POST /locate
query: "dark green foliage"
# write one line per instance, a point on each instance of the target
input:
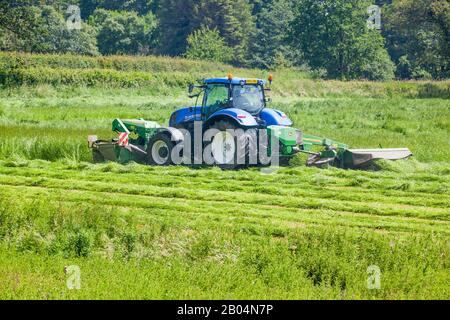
(271, 48)
(142, 7)
(122, 32)
(418, 37)
(57, 38)
(51, 35)
(19, 21)
(79, 244)
(330, 38)
(232, 18)
(175, 25)
(334, 35)
(207, 44)
(234, 21)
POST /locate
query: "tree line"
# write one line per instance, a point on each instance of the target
(336, 39)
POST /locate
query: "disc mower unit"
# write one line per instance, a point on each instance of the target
(229, 105)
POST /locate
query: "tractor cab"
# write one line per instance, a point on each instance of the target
(240, 100)
(243, 94)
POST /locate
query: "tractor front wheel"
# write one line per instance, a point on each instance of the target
(159, 150)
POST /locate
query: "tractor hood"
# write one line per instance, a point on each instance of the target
(185, 115)
(274, 117)
(242, 117)
(270, 117)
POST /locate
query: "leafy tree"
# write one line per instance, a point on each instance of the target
(207, 44)
(141, 7)
(373, 62)
(271, 48)
(418, 37)
(19, 22)
(233, 19)
(333, 34)
(258, 5)
(57, 38)
(175, 25)
(123, 32)
(54, 36)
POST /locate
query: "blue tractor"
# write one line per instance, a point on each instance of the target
(228, 105)
(240, 102)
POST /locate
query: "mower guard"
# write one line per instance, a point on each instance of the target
(360, 158)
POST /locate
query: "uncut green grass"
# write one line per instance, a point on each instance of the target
(161, 75)
(48, 124)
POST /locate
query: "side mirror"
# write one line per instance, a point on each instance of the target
(191, 88)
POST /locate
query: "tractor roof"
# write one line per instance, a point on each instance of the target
(233, 81)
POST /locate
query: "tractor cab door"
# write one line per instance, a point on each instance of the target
(216, 98)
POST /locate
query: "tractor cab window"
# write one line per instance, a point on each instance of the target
(248, 97)
(216, 98)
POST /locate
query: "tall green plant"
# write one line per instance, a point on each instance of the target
(207, 44)
(418, 37)
(232, 18)
(123, 32)
(52, 35)
(333, 34)
(271, 48)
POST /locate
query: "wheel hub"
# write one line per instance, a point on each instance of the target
(160, 152)
(223, 147)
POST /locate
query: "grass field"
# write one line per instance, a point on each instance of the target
(158, 233)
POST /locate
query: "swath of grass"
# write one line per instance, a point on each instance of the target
(319, 262)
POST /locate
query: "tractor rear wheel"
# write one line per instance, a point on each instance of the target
(159, 150)
(232, 151)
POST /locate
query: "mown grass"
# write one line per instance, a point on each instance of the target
(183, 233)
(281, 236)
